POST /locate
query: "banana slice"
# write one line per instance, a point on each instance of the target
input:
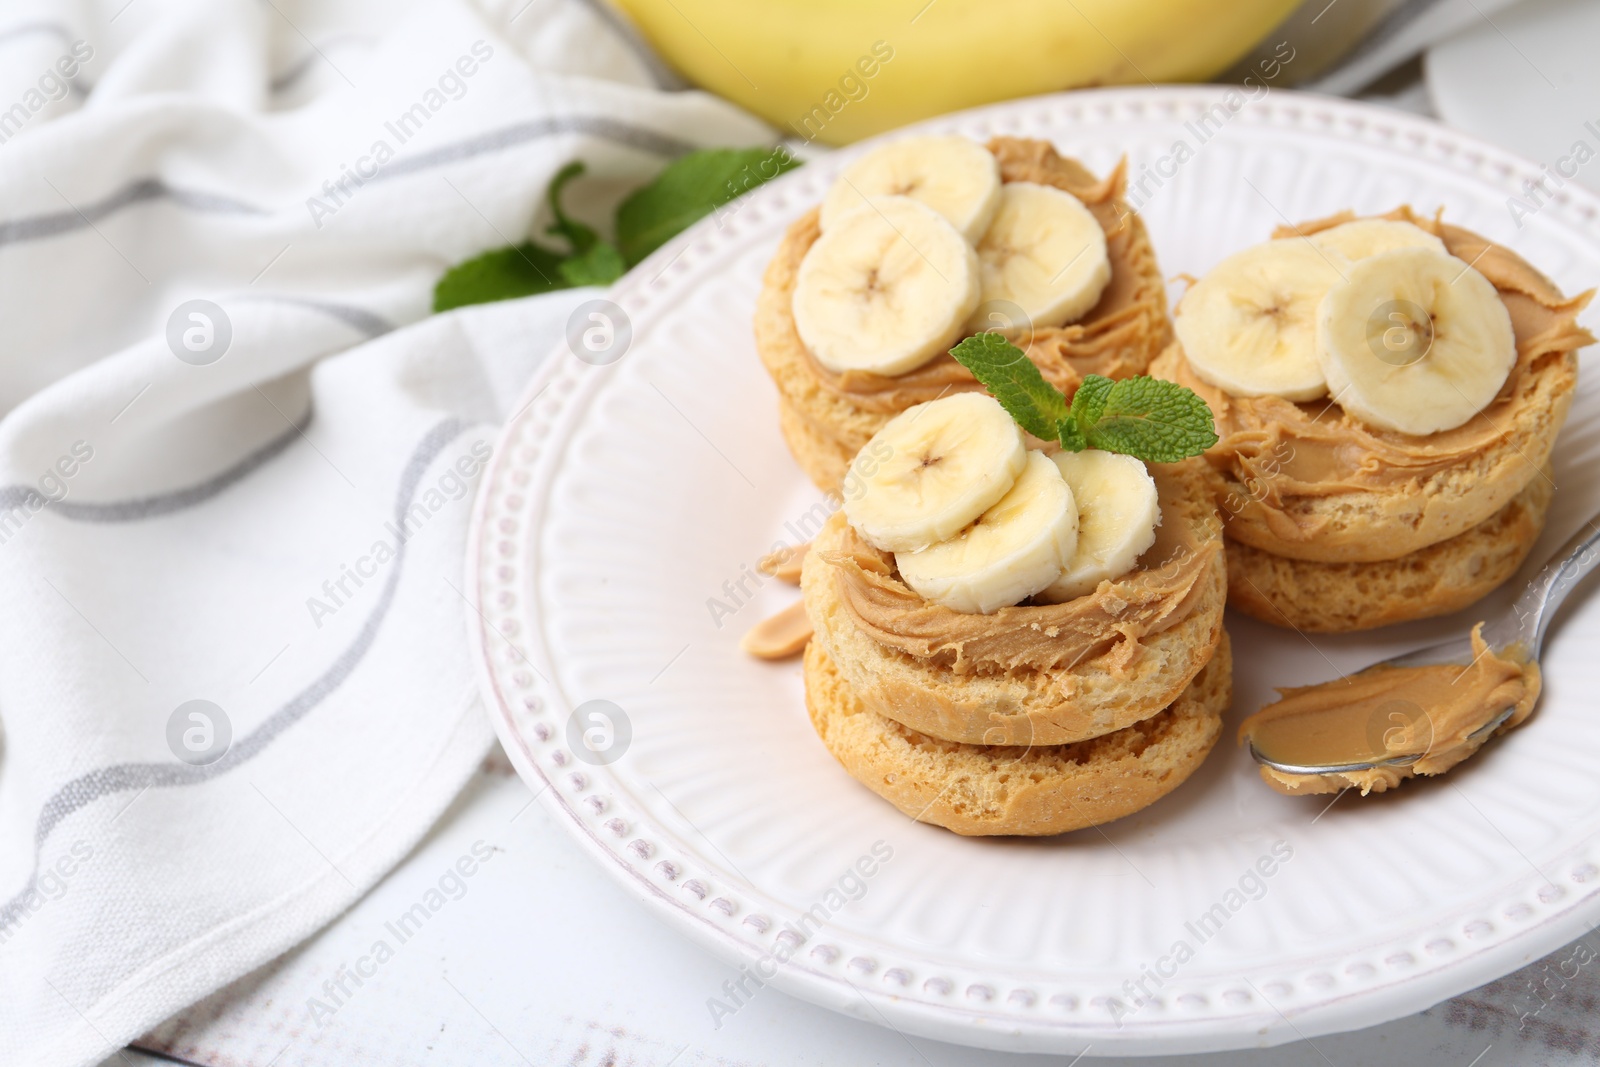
(932, 470)
(1415, 341)
(886, 290)
(1249, 326)
(1118, 512)
(1044, 252)
(1011, 552)
(956, 177)
(1370, 237)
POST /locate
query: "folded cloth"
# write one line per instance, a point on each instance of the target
(234, 483)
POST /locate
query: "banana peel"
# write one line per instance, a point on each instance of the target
(836, 71)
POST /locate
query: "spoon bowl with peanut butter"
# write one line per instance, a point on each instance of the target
(1425, 711)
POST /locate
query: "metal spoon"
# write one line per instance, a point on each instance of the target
(1522, 626)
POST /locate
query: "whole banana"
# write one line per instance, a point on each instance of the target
(839, 70)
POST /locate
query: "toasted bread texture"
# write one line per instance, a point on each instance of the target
(827, 417)
(1436, 580)
(981, 790)
(1130, 675)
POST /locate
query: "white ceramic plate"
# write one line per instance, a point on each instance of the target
(623, 498)
(1539, 98)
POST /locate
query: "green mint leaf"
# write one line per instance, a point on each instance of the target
(580, 237)
(689, 189)
(600, 265)
(1011, 378)
(1157, 421)
(1090, 400)
(529, 268)
(1070, 434)
(1153, 420)
(500, 274)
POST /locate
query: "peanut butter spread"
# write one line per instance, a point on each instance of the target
(1160, 593)
(1285, 450)
(1111, 339)
(1384, 712)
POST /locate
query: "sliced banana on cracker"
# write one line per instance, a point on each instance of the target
(1118, 511)
(1370, 237)
(938, 466)
(1249, 326)
(886, 290)
(1415, 341)
(954, 176)
(1044, 252)
(1010, 552)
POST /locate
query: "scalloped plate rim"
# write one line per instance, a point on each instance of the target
(1255, 1027)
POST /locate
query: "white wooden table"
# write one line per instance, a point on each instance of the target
(544, 960)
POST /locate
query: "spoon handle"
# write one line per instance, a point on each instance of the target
(1533, 610)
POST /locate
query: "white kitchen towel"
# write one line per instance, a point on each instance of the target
(234, 482)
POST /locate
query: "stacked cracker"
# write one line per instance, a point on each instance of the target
(1037, 718)
(1387, 392)
(1107, 316)
(1008, 638)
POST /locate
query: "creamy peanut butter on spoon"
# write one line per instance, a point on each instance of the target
(1421, 713)
(1371, 729)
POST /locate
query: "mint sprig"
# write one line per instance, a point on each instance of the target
(685, 191)
(689, 189)
(1012, 379)
(1158, 421)
(580, 237)
(529, 268)
(592, 261)
(1151, 419)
